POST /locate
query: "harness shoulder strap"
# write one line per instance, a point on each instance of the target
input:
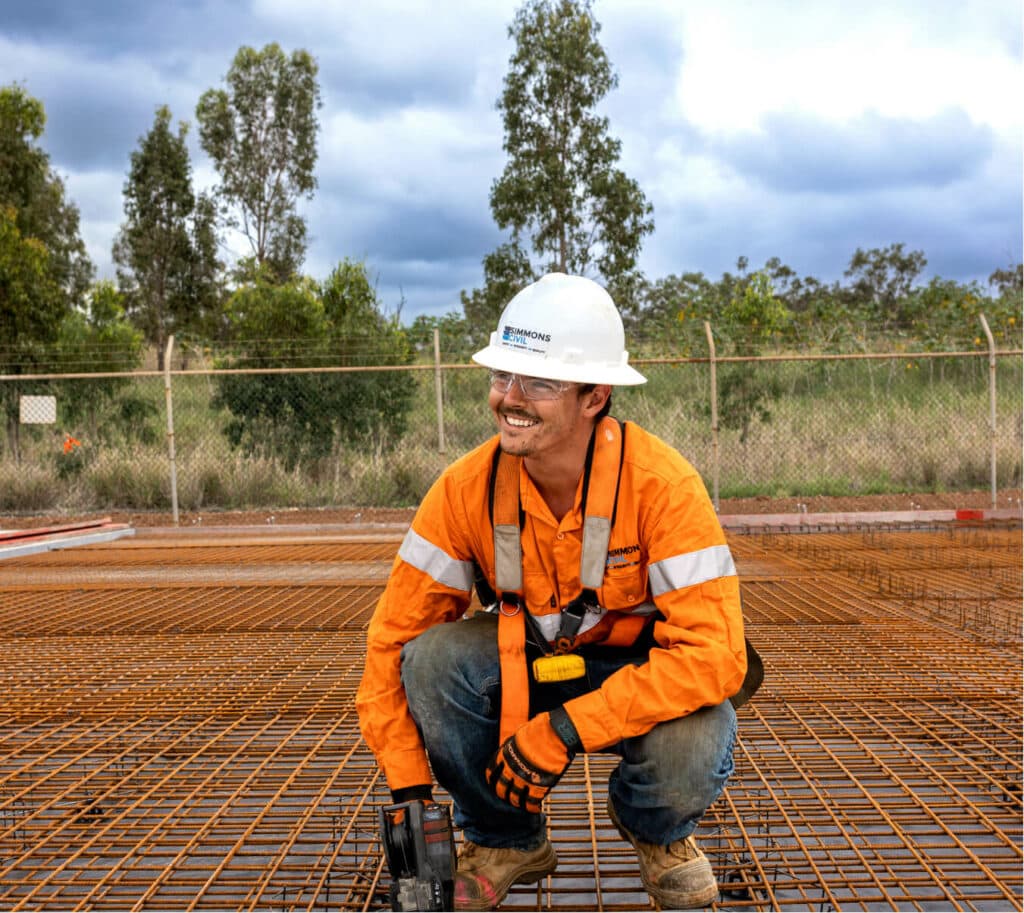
(505, 514)
(507, 522)
(600, 499)
(604, 463)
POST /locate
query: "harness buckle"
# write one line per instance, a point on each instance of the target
(572, 620)
(513, 601)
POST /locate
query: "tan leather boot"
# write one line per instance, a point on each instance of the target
(485, 874)
(677, 876)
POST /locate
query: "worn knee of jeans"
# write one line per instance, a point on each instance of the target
(451, 667)
(671, 775)
(452, 679)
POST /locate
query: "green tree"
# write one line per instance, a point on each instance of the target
(261, 135)
(561, 185)
(372, 407)
(753, 317)
(673, 310)
(31, 308)
(108, 410)
(1005, 308)
(304, 417)
(882, 280)
(166, 243)
(44, 269)
(755, 313)
(32, 305)
(36, 193)
(1008, 285)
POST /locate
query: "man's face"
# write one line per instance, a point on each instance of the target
(533, 427)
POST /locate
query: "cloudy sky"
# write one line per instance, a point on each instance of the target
(792, 129)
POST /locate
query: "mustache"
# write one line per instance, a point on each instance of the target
(517, 413)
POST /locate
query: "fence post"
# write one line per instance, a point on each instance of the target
(437, 391)
(991, 400)
(170, 428)
(714, 415)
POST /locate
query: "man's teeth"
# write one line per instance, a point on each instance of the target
(520, 422)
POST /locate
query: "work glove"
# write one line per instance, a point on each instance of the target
(533, 759)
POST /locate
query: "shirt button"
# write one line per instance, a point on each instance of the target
(560, 536)
(631, 597)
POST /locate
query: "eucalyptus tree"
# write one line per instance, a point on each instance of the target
(166, 249)
(561, 187)
(882, 280)
(38, 212)
(260, 132)
(44, 268)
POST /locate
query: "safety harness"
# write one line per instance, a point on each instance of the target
(602, 473)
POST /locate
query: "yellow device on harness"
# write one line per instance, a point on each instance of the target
(559, 667)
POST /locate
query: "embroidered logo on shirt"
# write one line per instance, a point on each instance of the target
(627, 556)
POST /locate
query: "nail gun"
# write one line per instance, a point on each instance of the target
(420, 852)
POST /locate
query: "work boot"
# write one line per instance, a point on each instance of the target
(677, 876)
(486, 873)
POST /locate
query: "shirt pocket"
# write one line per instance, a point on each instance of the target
(623, 588)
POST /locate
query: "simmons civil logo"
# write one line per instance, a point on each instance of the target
(628, 556)
(520, 338)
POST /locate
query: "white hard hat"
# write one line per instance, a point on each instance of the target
(562, 328)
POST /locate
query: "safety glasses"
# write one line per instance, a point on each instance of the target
(533, 388)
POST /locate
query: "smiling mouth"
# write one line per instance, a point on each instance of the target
(519, 421)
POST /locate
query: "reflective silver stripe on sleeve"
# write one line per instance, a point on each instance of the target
(690, 569)
(423, 555)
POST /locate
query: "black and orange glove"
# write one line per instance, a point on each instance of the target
(532, 761)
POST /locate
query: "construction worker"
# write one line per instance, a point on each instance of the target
(613, 625)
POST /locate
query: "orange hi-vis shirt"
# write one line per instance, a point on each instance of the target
(667, 555)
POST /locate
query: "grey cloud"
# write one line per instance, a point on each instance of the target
(88, 133)
(97, 108)
(424, 252)
(421, 233)
(108, 26)
(966, 232)
(352, 80)
(403, 232)
(797, 153)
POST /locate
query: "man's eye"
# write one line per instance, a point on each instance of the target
(542, 387)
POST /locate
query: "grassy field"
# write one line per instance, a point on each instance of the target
(829, 428)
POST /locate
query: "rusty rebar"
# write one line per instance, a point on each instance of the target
(177, 729)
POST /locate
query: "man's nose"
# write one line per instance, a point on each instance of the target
(515, 391)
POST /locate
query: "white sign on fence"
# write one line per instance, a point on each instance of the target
(38, 410)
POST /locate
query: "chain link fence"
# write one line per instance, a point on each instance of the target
(784, 426)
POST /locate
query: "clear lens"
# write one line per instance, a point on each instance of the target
(539, 388)
(534, 388)
(501, 381)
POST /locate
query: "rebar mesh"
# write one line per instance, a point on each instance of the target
(177, 730)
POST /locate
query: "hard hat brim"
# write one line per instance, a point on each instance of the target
(499, 358)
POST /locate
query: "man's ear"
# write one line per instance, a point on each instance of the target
(594, 401)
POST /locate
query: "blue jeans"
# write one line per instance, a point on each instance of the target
(664, 783)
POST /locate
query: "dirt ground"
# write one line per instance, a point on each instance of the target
(762, 504)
